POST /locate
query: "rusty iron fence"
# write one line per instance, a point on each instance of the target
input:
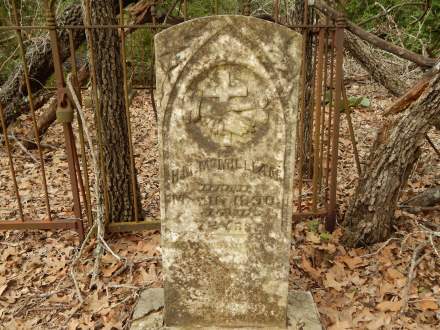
(317, 188)
(321, 101)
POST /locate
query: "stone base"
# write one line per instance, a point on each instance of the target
(302, 313)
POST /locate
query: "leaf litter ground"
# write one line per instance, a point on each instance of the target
(364, 288)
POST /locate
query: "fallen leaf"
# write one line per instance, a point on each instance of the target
(428, 304)
(394, 274)
(308, 268)
(313, 238)
(389, 306)
(330, 282)
(352, 262)
(341, 325)
(3, 288)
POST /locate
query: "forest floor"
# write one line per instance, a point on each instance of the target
(364, 288)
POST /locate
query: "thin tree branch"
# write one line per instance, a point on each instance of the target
(375, 40)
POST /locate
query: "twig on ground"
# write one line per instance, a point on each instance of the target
(22, 147)
(415, 261)
(44, 145)
(415, 209)
(432, 144)
(381, 247)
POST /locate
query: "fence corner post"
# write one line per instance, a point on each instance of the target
(341, 23)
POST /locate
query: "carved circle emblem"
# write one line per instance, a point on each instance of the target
(227, 108)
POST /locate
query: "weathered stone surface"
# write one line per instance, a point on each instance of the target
(302, 313)
(150, 300)
(227, 94)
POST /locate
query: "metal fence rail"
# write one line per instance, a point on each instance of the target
(316, 195)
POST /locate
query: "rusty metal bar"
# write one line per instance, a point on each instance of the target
(75, 224)
(152, 84)
(32, 108)
(147, 224)
(317, 126)
(65, 106)
(300, 145)
(127, 113)
(159, 26)
(79, 177)
(311, 106)
(87, 26)
(324, 88)
(351, 129)
(339, 47)
(185, 10)
(276, 10)
(86, 191)
(11, 163)
(330, 112)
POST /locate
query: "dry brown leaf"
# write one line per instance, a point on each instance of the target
(394, 274)
(108, 259)
(428, 304)
(313, 238)
(330, 282)
(308, 268)
(94, 304)
(73, 324)
(341, 325)
(108, 271)
(3, 288)
(59, 299)
(380, 321)
(389, 306)
(353, 262)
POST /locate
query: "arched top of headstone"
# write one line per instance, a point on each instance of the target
(232, 20)
(194, 47)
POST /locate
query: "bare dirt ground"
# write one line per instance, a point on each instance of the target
(365, 288)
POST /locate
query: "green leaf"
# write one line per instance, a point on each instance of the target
(365, 102)
(354, 101)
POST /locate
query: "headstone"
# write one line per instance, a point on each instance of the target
(227, 93)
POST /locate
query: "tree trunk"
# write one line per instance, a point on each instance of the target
(307, 148)
(374, 64)
(113, 120)
(369, 218)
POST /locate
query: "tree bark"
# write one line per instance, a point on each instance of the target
(374, 64)
(369, 218)
(307, 147)
(112, 116)
(411, 95)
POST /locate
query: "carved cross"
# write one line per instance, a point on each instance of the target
(225, 91)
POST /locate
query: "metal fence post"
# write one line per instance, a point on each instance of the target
(339, 49)
(64, 113)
